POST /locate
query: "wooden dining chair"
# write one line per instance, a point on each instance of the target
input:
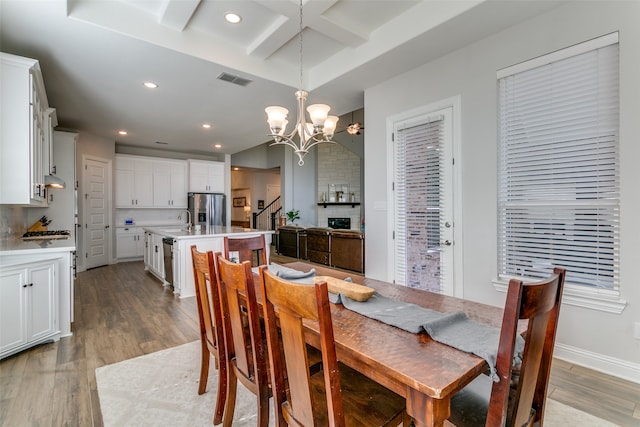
(518, 399)
(253, 249)
(244, 339)
(211, 329)
(336, 396)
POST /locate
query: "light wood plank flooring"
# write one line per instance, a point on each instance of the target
(122, 312)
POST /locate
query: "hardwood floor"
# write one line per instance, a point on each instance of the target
(123, 312)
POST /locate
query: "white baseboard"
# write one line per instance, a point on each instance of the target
(617, 367)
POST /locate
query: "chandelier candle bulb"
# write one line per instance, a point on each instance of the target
(318, 114)
(277, 118)
(330, 126)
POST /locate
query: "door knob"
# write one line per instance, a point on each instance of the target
(446, 243)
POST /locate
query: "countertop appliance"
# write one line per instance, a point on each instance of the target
(207, 209)
(339, 223)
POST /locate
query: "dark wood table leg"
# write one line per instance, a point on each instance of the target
(425, 410)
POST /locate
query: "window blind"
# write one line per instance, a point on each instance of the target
(419, 196)
(558, 177)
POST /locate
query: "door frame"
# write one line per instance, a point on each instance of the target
(82, 221)
(456, 288)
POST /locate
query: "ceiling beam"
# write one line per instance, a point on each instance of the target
(176, 14)
(286, 26)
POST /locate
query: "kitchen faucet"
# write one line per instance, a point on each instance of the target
(188, 218)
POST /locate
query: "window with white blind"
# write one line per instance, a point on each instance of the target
(558, 178)
(422, 195)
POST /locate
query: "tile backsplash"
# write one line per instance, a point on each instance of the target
(337, 165)
(13, 221)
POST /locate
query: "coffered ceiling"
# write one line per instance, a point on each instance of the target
(96, 54)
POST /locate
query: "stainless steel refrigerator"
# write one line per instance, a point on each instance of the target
(207, 209)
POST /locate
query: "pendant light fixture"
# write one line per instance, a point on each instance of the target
(303, 135)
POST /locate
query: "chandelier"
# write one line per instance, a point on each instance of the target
(303, 135)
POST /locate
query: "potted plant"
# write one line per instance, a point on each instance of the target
(293, 215)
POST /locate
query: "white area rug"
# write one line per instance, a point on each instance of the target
(161, 389)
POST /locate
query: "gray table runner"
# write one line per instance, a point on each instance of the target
(453, 329)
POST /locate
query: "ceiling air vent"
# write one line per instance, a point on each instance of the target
(237, 80)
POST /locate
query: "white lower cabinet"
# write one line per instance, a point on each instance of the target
(154, 255)
(129, 242)
(28, 305)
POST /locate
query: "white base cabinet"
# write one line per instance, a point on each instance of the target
(130, 242)
(154, 255)
(183, 281)
(36, 294)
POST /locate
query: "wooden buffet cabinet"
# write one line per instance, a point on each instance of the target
(336, 248)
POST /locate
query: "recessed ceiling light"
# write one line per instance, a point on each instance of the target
(150, 85)
(206, 125)
(236, 169)
(217, 145)
(122, 132)
(232, 18)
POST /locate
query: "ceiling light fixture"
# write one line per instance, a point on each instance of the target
(206, 125)
(217, 146)
(354, 128)
(320, 129)
(122, 132)
(150, 85)
(232, 18)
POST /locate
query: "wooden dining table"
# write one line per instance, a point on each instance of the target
(427, 373)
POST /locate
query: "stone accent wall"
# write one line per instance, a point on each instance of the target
(337, 165)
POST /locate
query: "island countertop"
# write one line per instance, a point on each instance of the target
(182, 233)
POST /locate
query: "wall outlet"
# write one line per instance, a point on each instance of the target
(636, 330)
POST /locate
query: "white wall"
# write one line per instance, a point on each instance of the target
(601, 340)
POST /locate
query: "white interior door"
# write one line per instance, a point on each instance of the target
(97, 215)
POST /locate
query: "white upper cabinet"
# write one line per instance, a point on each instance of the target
(25, 130)
(133, 182)
(149, 182)
(170, 183)
(206, 176)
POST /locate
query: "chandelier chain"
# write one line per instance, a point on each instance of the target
(301, 52)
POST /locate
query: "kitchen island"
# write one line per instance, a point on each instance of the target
(208, 239)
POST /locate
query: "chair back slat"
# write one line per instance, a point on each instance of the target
(238, 299)
(211, 325)
(295, 303)
(252, 249)
(207, 297)
(539, 303)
